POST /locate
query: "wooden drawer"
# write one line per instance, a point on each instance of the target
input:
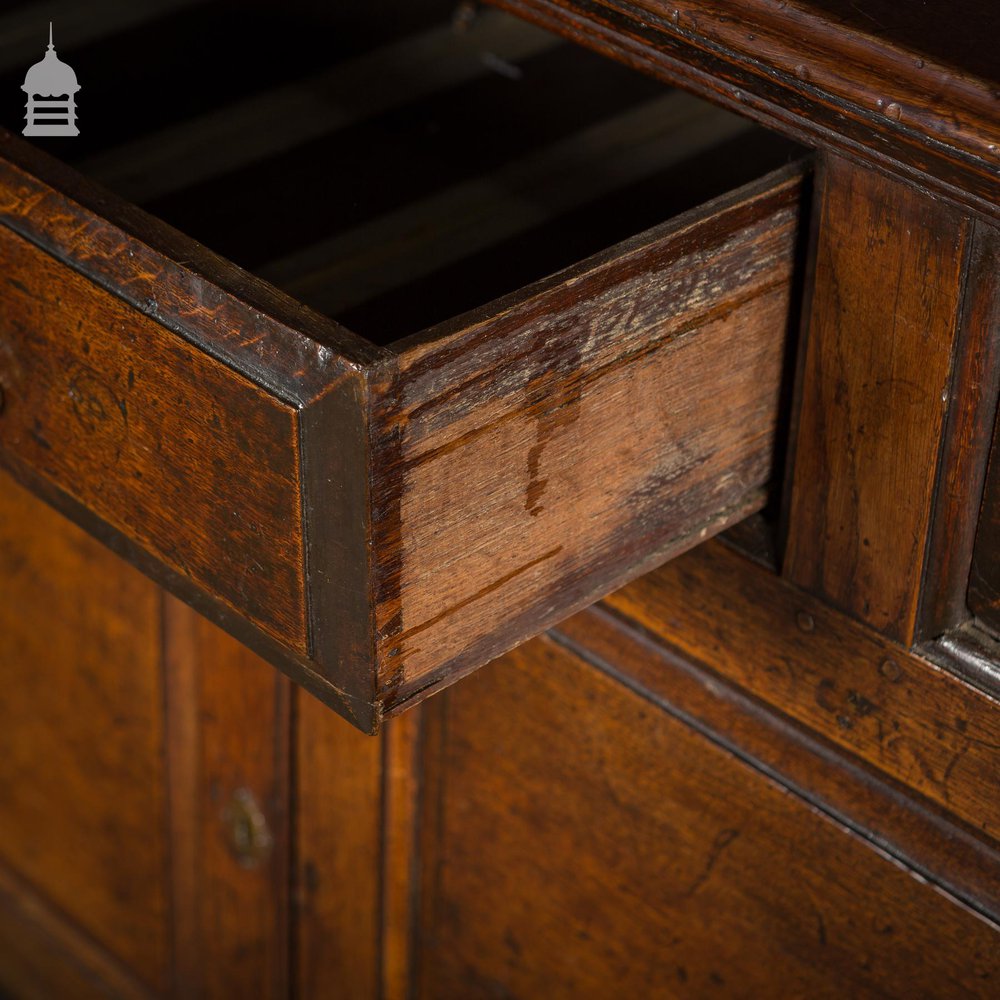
(378, 515)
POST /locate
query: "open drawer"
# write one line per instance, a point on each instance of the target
(379, 514)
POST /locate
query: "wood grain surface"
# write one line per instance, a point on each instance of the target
(535, 456)
(229, 731)
(952, 580)
(984, 582)
(45, 955)
(337, 901)
(144, 779)
(167, 445)
(913, 92)
(883, 810)
(83, 785)
(589, 844)
(866, 694)
(357, 854)
(876, 377)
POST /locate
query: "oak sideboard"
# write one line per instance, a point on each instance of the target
(501, 501)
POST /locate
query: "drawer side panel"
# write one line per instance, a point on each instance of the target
(582, 433)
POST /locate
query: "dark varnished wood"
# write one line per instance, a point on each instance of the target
(880, 809)
(339, 822)
(357, 852)
(43, 954)
(588, 844)
(984, 582)
(403, 781)
(973, 399)
(114, 408)
(905, 88)
(716, 782)
(874, 389)
(866, 694)
(131, 727)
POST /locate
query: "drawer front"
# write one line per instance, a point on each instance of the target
(192, 462)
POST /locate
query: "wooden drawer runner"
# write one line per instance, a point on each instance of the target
(378, 516)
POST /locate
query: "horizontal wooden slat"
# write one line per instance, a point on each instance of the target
(378, 164)
(223, 139)
(435, 231)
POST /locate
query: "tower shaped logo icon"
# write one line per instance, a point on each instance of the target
(51, 88)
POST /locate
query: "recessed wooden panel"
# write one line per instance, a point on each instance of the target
(586, 844)
(82, 780)
(170, 447)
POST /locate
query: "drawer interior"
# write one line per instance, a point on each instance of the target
(395, 164)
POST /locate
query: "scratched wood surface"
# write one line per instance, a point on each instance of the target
(531, 458)
(874, 390)
(759, 726)
(587, 843)
(866, 694)
(171, 448)
(898, 86)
